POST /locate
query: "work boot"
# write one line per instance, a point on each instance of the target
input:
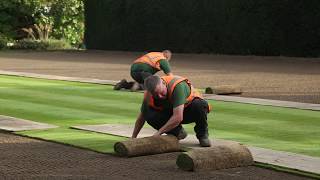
(120, 84)
(182, 134)
(204, 142)
(209, 90)
(135, 87)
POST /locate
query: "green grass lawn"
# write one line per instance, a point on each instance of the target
(69, 103)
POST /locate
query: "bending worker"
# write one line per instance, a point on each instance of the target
(145, 66)
(170, 101)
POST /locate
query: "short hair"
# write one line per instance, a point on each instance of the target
(167, 53)
(151, 82)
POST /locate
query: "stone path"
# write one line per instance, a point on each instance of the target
(279, 158)
(14, 124)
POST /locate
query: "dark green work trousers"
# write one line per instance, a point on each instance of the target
(195, 112)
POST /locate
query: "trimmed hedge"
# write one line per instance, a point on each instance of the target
(248, 27)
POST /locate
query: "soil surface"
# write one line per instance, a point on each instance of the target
(280, 78)
(25, 158)
(292, 79)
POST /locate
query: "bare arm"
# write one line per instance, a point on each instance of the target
(170, 74)
(138, 125)
(174, 120)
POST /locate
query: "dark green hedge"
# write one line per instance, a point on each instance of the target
(259, 27)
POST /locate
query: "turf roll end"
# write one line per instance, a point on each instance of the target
(185, 162)
(224, 90)
(215, 157)
(120, 149)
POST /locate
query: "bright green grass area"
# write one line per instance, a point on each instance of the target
(69, 103)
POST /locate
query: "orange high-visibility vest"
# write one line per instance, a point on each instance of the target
(152, 59)
(171, 82)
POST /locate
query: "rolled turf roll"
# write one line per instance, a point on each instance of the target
(215, 157)
(224, 90)
(147, 146)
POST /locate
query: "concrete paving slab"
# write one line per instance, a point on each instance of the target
(269, 102)
(279, 158)
(116, 129)
(14, 124)
(286, 159)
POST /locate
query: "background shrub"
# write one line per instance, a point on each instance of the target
(54, 44)
(3, 41)
(49, 44)
(16, 14)
(64, 16)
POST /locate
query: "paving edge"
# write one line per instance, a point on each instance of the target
(23, 124)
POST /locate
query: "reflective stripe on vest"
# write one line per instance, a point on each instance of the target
(150, 100)
(152, 59)
(171, 82)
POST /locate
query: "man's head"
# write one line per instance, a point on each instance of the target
(167, 54)
(156, 87)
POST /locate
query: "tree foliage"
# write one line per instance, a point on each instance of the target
(65, 16)
(16, 14)
(68, 18)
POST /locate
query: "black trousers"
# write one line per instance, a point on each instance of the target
(140, 76)
(195, 112)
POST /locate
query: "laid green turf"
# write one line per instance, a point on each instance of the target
(69, 103)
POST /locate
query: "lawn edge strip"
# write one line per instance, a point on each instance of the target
(59, 142)
(287, 170)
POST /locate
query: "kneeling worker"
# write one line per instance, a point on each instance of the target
(145, 66)
(170, 101)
